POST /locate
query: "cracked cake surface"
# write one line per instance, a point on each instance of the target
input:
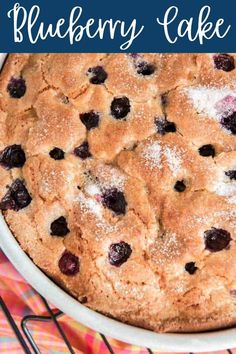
(118, 179)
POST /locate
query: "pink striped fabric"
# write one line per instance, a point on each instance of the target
(22, 300)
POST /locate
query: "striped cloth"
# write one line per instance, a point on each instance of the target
(22, 300)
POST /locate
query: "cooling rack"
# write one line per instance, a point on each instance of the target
(25, 336)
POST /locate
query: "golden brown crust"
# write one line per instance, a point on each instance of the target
(165, 228)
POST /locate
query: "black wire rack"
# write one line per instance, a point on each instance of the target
(24, 334)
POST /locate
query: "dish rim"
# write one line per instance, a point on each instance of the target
(168, 342)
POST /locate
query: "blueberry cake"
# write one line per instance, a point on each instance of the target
(118, 179)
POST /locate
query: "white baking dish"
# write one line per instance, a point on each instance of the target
(197, 342)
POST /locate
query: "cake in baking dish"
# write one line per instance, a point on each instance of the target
(118, 179)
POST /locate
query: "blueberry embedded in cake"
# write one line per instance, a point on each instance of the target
(217, 239)
(115, 200)
(83, 151)
(57, 154)
(12, 156)
(16, 87)
(224, 62)
(164, 99)
(231, 174)
(118, 179)
(120, 107)
(59, 227)
(90, 119)
(163, 126)
(142, 67)
(191, 268)
(119, 253)
(207, 150)
(16, 198)
(97, 75)
(145, 69)
(229, 123)
(180, 186)
(69, 264)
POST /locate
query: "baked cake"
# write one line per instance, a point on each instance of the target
(118, 178)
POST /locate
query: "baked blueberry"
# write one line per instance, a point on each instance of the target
(216, 239)
(12, 156)
(133, 55)
(144, 68)
(207, 150)
(16, 87)
(97, 75)
(16, 198)
(82, 151)
(65, 99)
(119, 253)
(224, 62)
(231, 174)
(164, 126)
(120, 107)
(164, 99)
(57, 154)
(115, 201)
(90, 119)
(233, 292)
(59, 227)
(180, 186)
(69, 263)
(83, 300)
(229, 123)
(191, 268)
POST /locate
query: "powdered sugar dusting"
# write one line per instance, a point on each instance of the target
(206, 100)
(50, 178)
(152, 155)
(232, 200)
(92, 189)
(157, 155)
(224, 186)
(225, 189)
(173, 159)
(89, 205)
(110, 177)
(181, 287)
(226, 106)
(136, 292)
(168, 247)
(226, 215)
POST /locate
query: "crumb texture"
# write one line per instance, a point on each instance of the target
(118, 179)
